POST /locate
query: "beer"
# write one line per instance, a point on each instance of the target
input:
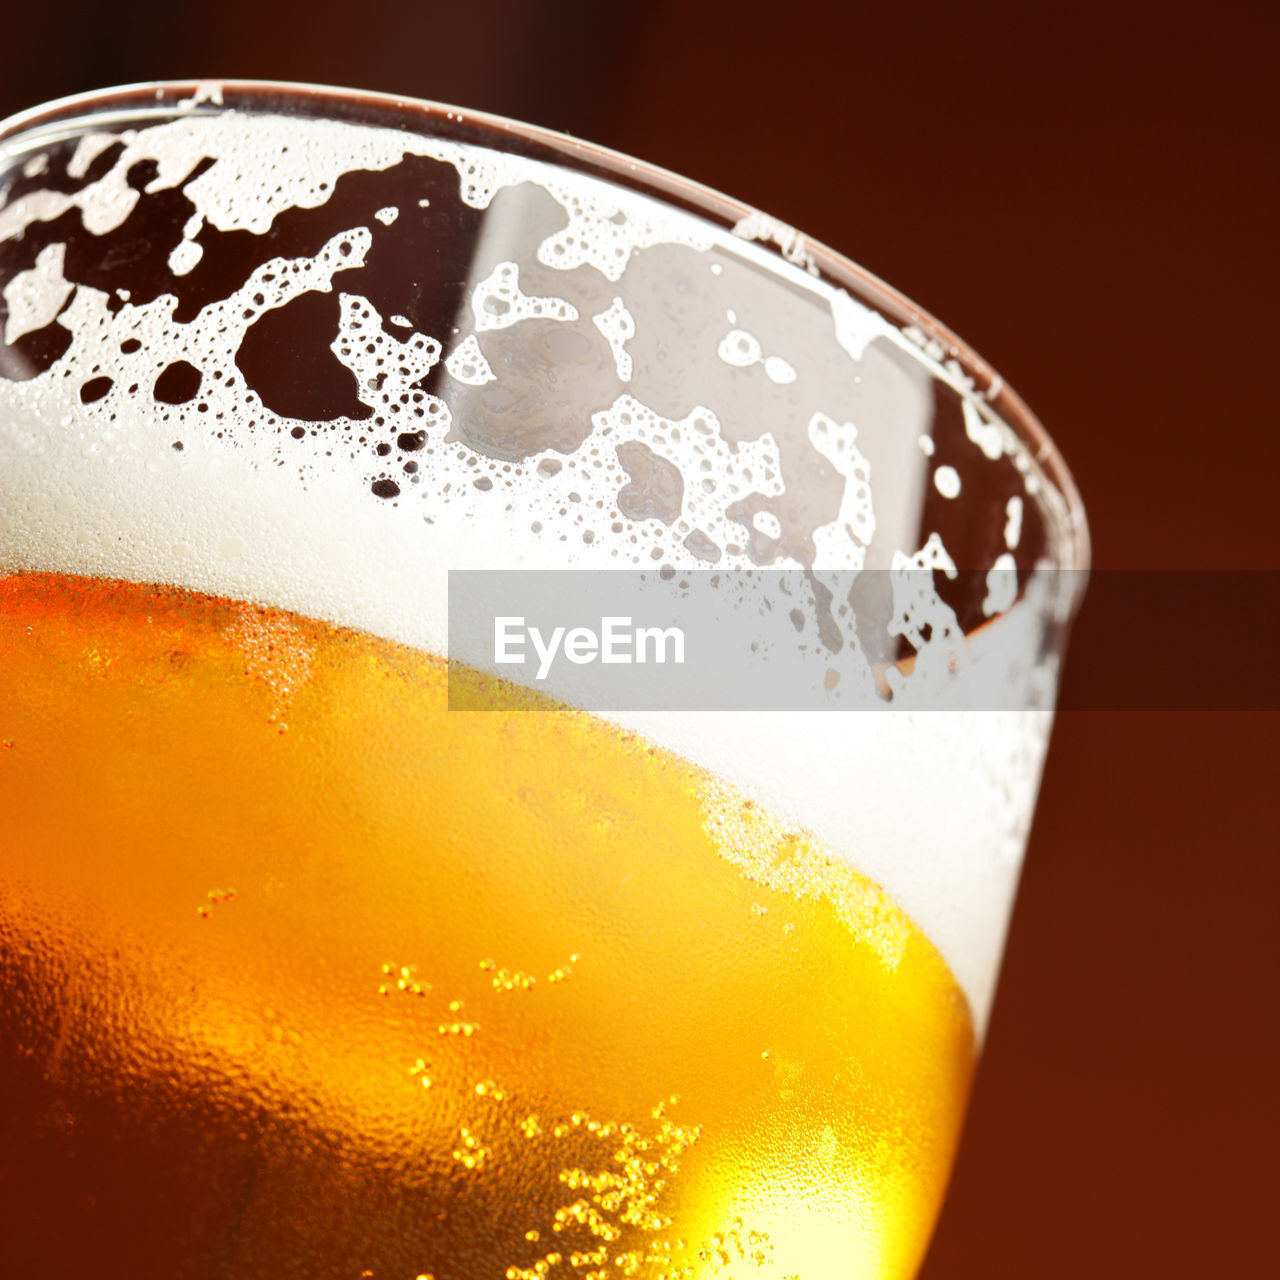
(306, 974)
(323, 950)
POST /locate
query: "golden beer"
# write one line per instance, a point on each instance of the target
(303, 974)
(325, 952)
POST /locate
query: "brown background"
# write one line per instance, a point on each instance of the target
(1086, 193)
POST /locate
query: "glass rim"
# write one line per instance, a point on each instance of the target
(464, 125)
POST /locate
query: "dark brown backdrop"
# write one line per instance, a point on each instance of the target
(1087, 193)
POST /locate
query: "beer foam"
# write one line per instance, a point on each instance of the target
(266, 402)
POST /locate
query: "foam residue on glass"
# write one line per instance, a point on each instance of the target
(317, 364)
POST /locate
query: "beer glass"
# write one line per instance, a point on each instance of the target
(350, 923)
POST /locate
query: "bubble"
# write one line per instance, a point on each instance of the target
(178, 382)
(946, 480)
